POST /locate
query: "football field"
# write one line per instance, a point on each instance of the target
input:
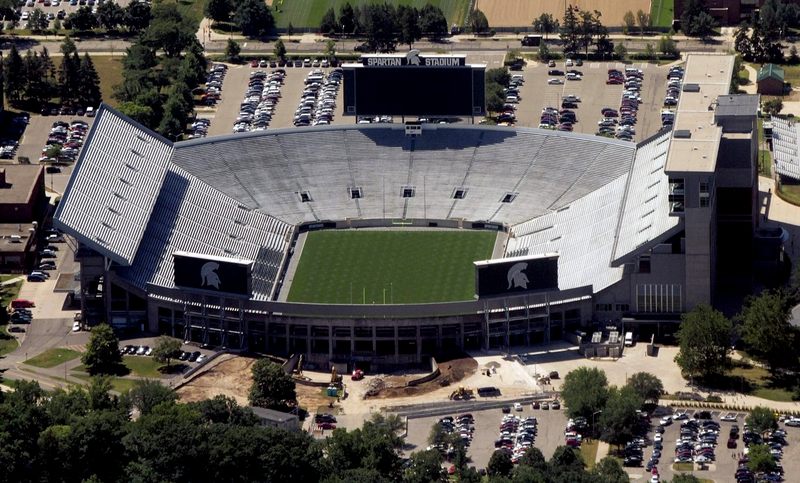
(308, 13)
(376, 267)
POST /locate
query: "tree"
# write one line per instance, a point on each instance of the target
(760, 459)
(609, 470)
(14, 81)
(279, 49)
(272, 387)
(254, 18)
(425, 467)
(533, 458)
(704, 340)
(174, 119)
(566, 459)
(110, 15)
(477, 22)
(545, 24)
(500, 464)
(643, 19)
(695, 19)
(685, 478)
(169, 30)
(647, 386)
(219, 10)
(619, 418)
(225, 410)
(629, 20)
(102, 351)
(768, 314)
(667, 45)
(432, 22)
(232, 51)
(544, 52)
(138, 112)
(146, 394)
(570, 30)
(766, 309)
(328, 25)
(649, 51)
(137, 16)
(347, 19)
(165, 349)
(585, 391)
(81, 20)
(380, 27)
(37, 21)
(89, 93)
(761, 419)
(408, 19)
(330, 49)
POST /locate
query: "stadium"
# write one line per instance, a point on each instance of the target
(381, 245)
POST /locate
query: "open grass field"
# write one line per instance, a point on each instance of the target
(661, 12)
(52, 358)
(389, 266)
(109, 69)
(308, 13)
(521, 13)
(143, 366)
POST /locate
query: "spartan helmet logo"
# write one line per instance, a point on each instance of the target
(516, 276)
(208, 275)
(412, 57)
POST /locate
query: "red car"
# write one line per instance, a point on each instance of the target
(327, 426)
(22, 304)
(253, 63)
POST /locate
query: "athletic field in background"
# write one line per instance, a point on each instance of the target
(308, 13)
(412, 266)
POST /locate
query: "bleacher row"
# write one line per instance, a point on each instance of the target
(125, 190)
(784, 147)
(645, 215)
(268, 170)
(191, 216)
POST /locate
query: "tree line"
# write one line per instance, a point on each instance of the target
(160, 70)
(253, 17)
(33, 79)
(383, 26)
(758, 40)
(581, 29)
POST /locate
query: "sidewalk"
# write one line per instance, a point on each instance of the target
(12, 281)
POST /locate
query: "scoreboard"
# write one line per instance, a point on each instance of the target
(414, 85)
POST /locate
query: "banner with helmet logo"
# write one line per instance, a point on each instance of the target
(509, 276)
(212, 273)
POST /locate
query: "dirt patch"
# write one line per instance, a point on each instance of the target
(520, 13)
(451, 372)
(230, 377)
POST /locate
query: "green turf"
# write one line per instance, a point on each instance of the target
(396, 266)
(661, 12)
(143, 366)
(53, 357)
(308, 13)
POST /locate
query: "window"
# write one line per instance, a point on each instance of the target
(602, 307)
(459, 193)
(623, 308)
(509, 197)
(705, 194)
(644, 264)
(658, 297)
(355, 193)
(408, 191)
(305, 197)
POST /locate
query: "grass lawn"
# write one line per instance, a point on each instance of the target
(760, 383)
(143, 366)
(589, 452)
(308, 13)
(109, 69)
(52, 358)
(790, 193)
(118, 384)
(376, 267)
(9, 293)
(7, 342)
(661, 12)
(9, 276)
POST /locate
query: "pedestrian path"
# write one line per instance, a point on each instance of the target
(602, 451)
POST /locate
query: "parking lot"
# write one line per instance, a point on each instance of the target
(594, 94)
(59, 8)
(550, 432)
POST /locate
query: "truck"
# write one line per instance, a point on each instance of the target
(531, 40)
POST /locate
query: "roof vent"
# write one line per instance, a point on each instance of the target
(683, 134)
(508, 197)
(691, 88)
(459, 193)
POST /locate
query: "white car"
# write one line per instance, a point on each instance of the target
(569, 63)
(728, 417)
(573, 76)
(657, 437)
(682, 414)
(554, 81)
(76, 327)
(792, 422)
(666, 421)
(517, 407)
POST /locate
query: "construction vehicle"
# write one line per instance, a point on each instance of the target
(462, 393)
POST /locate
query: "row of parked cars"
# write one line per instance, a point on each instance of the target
(214, 80)
(620, 123)
(64, 142)
(46, 256)
(775, 440)
(463, 425)
(318, 101)
(512, 91)
(260, 100)
(144, 350)
(674, 82)
(516, 435)
(199, 128)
